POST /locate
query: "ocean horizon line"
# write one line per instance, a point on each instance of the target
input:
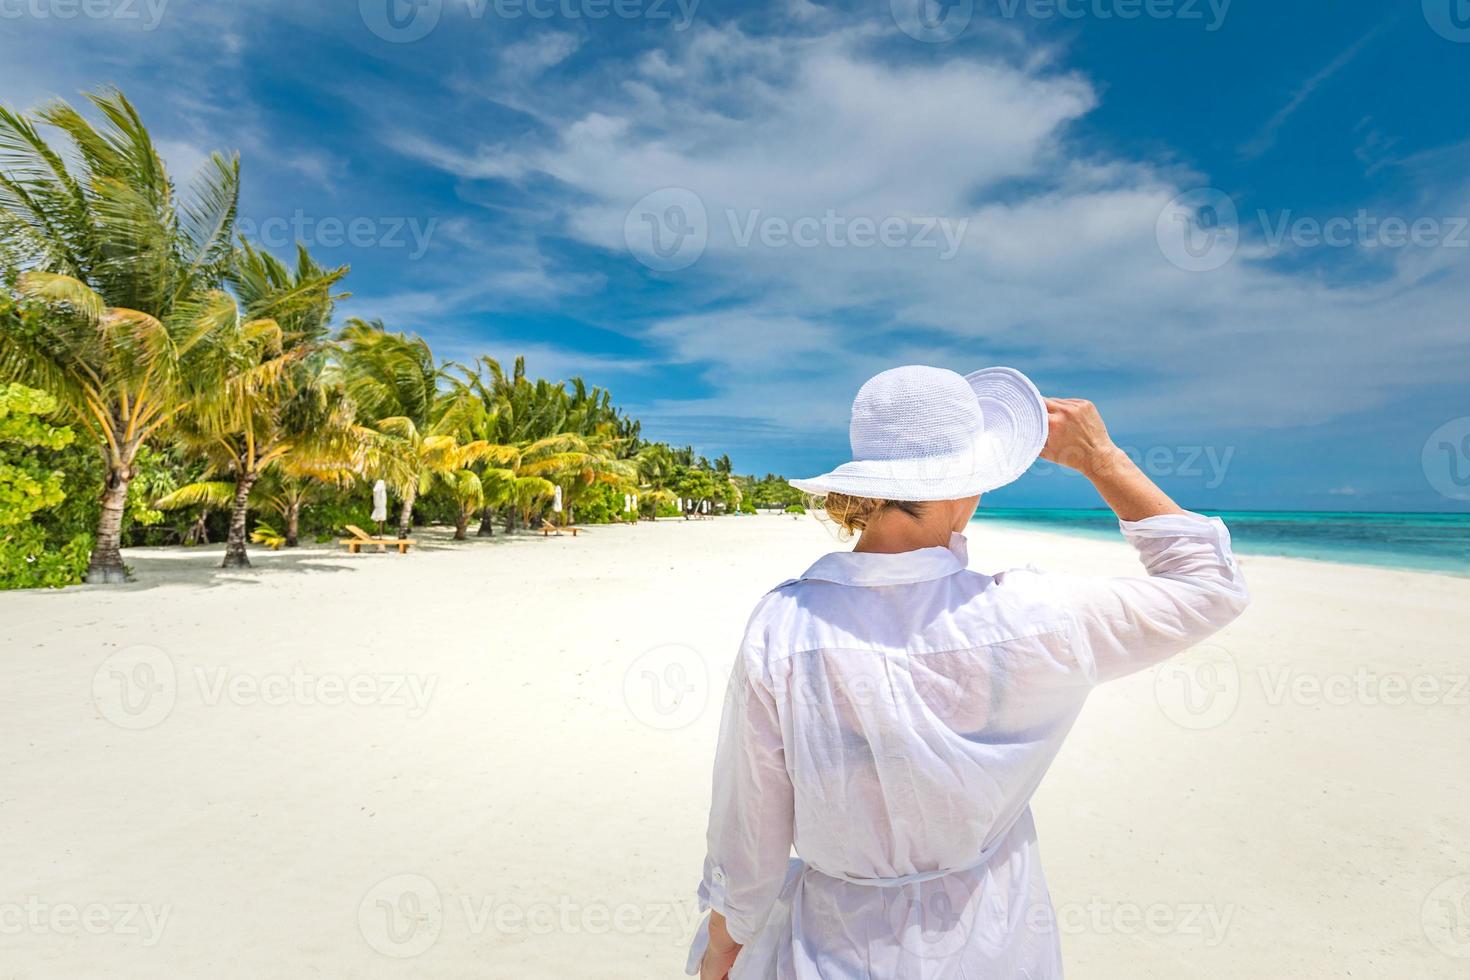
(1423, 541)
(1240, 510)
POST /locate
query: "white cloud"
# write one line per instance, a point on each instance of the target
(1060, 272)
(540, 52)
(482, 163)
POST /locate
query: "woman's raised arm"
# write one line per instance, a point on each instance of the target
(1078, 439)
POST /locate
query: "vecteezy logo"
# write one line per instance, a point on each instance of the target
(135, 688)
(1446, 459)
(1446, 917)
(932, 21)
(1199, 230)
(667, 230)
(401, 916)
(1449, 18)
(667, 687)
(1199, 690)
(400, 21)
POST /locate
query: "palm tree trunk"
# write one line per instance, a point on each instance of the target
(293, 522)
(487, 523)
(235, 556)
(405, 515)
(106, 566)
(461, 525)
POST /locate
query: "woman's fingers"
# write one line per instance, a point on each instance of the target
(1076, 433)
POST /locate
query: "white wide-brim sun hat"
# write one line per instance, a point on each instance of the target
(925, 433)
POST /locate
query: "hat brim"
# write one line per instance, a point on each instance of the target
(1014, 429)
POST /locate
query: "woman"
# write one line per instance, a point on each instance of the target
(891, 712)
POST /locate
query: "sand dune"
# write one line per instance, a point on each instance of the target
(491, 760)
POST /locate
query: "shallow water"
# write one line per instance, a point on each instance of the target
(1424, 542)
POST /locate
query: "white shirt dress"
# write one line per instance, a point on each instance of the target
(890, 716)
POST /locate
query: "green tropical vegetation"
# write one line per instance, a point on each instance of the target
(770, 492)
(163, 380)
(29, 486)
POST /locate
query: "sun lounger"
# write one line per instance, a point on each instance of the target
(548, 529)
(360, 538)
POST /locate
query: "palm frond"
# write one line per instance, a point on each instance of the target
(51, 287)
(268, 536)
(209, 221)
(211, 493)
(399, 425)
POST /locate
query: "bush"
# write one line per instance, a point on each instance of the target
(31, 554)
(29, 561)
(796, 509)
(598, 504)
(323, 520)
(435, 507)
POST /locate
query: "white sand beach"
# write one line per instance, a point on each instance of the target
(491, 759)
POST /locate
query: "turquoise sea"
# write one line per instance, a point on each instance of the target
(1425, 542)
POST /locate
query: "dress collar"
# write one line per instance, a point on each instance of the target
(905, 568)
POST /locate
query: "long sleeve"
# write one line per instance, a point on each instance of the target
(1193, 589)
(751, 813)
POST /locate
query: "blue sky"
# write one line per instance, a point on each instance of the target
(1238, 227)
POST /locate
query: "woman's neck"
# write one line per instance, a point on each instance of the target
(895, 533)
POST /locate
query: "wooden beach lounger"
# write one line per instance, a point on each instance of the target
(548, 528)
(360, 537)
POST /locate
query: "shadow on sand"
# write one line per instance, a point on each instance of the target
(199, 566)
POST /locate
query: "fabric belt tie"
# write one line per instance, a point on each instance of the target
(898, 882)
(922, 876)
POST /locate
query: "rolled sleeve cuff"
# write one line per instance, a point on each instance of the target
(1185, 525)
(711, 899)
(712, 890)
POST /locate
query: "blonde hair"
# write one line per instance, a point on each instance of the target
(854, 514)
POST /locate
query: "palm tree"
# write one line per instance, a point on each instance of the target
(283, 407)
(468, 493)
(656, 469)
(137, 326)
(489, 409)
(656, 465)
(411, 423)
(598, 461)
(287, 489)
(537, 437)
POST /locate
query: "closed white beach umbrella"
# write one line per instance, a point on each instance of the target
(380, 501)
(556, 501)
(635, 501)
(705, 507)
(627, 501)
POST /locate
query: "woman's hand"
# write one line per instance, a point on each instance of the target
(1076, 437)
(720, 955)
